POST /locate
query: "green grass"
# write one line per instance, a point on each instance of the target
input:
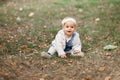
(48, 16)
(21, 42)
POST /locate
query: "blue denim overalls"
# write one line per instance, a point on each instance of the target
(69, 45)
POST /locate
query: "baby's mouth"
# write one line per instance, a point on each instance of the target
(69, 31)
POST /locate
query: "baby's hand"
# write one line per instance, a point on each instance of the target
(63, 56)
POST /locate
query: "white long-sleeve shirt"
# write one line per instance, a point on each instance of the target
(59, 42)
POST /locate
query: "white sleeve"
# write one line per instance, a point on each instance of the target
(59, 42)
(77, 43)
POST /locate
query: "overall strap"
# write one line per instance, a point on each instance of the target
(69, 43)
(73, 35)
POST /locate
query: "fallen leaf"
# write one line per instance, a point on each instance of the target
(107, 78)
(28, 39)
(109, 57)
(18, 19)
(31, 14)
(88, 77)
(102, 69)
(97, 19)
(114, 43)
(0, 46)
(24, 47)
(69, 64)
(20, 9)
(108, 54)
(42, 79)
(40, 46)
(80, 10)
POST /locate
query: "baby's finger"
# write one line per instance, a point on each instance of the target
(63, 56)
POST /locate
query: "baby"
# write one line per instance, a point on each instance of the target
(66, 41)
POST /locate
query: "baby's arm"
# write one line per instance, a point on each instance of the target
(76, 50)
(77, 44)
(59, 42)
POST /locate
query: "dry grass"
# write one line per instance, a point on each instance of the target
(23, 36)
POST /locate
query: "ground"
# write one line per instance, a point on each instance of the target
(27, 28)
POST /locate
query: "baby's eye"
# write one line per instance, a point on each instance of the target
(67, 26)
(72, 27)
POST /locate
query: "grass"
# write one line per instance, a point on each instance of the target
(22, 41)
(43, 21)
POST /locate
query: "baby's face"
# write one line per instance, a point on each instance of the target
(69, 28)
